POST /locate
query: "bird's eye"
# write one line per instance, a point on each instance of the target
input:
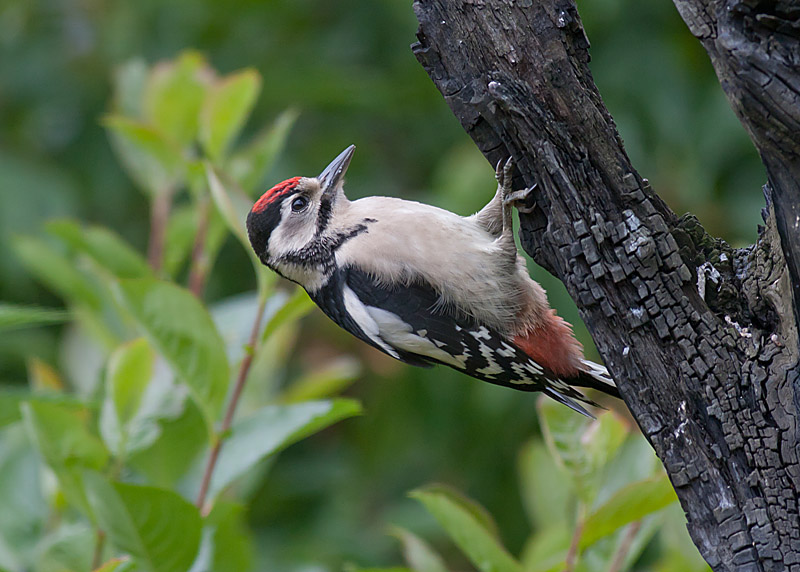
(299, 203)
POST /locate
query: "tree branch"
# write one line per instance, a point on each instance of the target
(754, 47)
(701, 338)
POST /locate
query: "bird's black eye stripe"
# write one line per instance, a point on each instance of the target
(299, 203)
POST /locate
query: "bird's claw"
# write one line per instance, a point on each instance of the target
(521, 199)
(503, 172)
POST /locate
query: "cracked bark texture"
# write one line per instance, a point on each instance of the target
(701, 338)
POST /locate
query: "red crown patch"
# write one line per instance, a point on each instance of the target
(274, 193)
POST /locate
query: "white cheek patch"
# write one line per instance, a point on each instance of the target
(400, 334)
(294, 231)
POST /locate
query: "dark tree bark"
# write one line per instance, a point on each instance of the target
(701, 338)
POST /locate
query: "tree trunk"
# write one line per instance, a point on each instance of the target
(702, 339)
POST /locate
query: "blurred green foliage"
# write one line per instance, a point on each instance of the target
(139, 416)
(345, 67)
(595, 508)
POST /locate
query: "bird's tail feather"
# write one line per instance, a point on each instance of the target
(571, 401)
(596, 376)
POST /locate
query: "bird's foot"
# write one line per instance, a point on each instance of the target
(503, 173)
(522, 199)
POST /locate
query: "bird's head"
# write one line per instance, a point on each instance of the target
(290, 220)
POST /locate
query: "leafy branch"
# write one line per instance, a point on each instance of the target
(146, 429)
(594, 492)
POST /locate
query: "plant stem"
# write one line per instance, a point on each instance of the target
(572, 553)
(244, 368)
(199, 266)
(624, 547)
(100, 540)
(159, 216)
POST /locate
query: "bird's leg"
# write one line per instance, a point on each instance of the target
(504, 188)
(495, 217)
(490, 216)
(521, 199)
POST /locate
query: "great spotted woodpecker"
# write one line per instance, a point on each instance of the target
(422, 284)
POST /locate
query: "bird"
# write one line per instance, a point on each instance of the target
(424, 285)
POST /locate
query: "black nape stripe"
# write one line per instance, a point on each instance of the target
(324, 214)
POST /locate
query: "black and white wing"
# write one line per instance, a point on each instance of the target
(410, 323)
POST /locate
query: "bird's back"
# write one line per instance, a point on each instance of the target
(408, 241)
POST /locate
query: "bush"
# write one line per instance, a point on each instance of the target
(143, 418)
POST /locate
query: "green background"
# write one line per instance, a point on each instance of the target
(347, 68)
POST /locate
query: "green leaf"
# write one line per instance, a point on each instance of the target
(390, 569)
(153, 162)
(25, 510)
(56, 271)
(546, 549)
(229, 541)
(43, 378)
(130, 369)
(180, 440)
(233, 205)
(249, 166)
(84, 351)
(62, 434)
(117, 565)
(13, 316)
(225, 110)
(634, 461)
(581, 446)
(679, 554)
(174, 95)
(468, 529)
(562, 431)
(629, 504)
(9, 406)
(272, 429)
(603, 438)
(129, 85)
(234, 317)
(546, 494)
(63, 438)
(68, 547)
(181, 231)
(159, 528)
(419, 556)
(475, 509)
(103, 246)
(78, 283)
(269, 368)
(11, 399)
(324, 382)
(181, 329)
(294, 308)
(353, 568)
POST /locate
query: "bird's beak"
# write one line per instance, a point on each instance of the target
(331, 177)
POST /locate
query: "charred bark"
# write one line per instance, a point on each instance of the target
(701, 338)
